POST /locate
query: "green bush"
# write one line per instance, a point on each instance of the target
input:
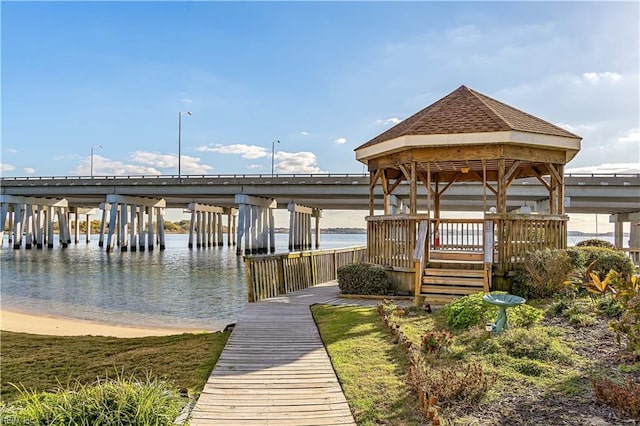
(471, 310)
(363, 278)
(468, 311)
(542, 274)
(535, 343)
(595, 242)
(122, 401)
(606, 259)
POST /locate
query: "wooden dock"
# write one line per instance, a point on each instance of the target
(274, 369)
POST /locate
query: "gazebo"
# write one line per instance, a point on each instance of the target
(462, 138)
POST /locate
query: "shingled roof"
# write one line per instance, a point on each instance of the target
(466, 111)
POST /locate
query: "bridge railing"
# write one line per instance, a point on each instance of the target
(266, 175)
(274, 275)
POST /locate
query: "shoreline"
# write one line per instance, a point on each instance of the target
(44, 324)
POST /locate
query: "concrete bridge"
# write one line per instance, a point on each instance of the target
(252, 198)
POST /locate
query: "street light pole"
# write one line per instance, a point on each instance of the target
(273, 154)
(91, 162)
(180, 140)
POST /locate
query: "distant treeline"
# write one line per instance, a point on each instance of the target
(182, 227)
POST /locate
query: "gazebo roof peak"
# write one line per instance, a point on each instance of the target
(465, 111)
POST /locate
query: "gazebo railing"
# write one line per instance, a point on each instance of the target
(516, 235)
(499, 241)
(457, 234)
(391, 240)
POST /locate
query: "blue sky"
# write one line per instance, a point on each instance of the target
(321, 77)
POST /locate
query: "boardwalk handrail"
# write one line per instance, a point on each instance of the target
(272, 275)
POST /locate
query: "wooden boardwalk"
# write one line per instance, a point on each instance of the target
(274, 369)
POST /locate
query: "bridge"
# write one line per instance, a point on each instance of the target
(305, 195)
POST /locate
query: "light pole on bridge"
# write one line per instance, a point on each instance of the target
(91, 161)
(180, 141)
(273, 154)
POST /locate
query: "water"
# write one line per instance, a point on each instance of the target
(177, 287)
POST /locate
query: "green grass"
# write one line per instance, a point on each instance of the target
(40, 363)
(370, 367)
(119, 401)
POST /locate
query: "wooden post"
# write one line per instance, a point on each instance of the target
(502, 188)
(413, 196)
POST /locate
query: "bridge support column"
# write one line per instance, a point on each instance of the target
(317, 214)
(141, 232)
(232, 220)
(105, 207)
(634, 233)
(151, 236)
(28, 216)
(299, 226)
(254, 224)
(127, 215)
(205, 219)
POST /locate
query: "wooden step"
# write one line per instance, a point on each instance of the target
(441, 272)
(452, 264)
(450, 290)
(446, 284)
(456, 255)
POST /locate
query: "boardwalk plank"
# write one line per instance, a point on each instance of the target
(274, 369)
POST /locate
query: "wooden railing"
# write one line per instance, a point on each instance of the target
(457, 234)
(391, 240)
(273, 275)
(516, 235)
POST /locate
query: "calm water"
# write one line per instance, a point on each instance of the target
(179, 287)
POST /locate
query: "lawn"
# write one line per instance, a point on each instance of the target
(41, 363)
(534, 374)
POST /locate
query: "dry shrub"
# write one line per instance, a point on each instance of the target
(623, 398)
(543, 274)
(457, 382)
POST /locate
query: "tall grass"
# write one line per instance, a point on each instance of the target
(124, 400)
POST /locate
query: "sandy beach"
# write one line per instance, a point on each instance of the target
(61, 326)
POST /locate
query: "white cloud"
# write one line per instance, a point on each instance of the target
(11, 151)
(389, 121)
(142, 163)
(186, 101)
(4, 167)
(304, 133)
(297, 162)
(29, 170)
(254, 166)
(340, 141)
(607, 168)
(249, 152)
(189, 165)
(631, 136)
(597, 77)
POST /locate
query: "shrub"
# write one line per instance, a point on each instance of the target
(543, 274)
(628, 326)
(468, 311)
(609, 306)
(458, 382)
(363, 278)
(623, 398)
(536, 344)
(115, 402)
(472, 310)
(524, 315)
(605, 259)
(437, 341)
(595, 242)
